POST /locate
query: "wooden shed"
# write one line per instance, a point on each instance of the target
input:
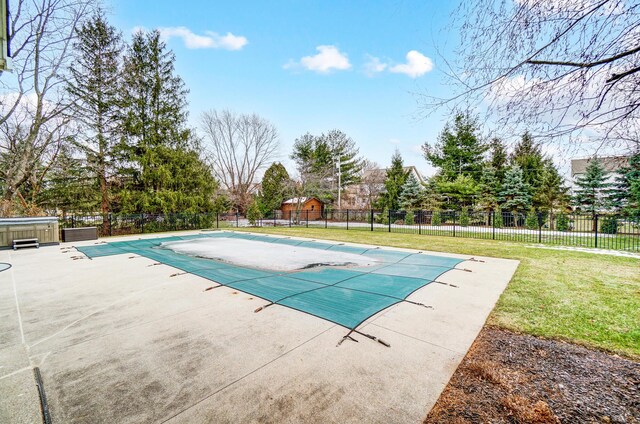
(308, 206)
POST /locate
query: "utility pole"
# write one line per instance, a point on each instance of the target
(339, 181)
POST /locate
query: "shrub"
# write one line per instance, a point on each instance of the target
(464, 218)
(436, 218)
(383, 218)
(409, 218)
(562, 222)
(497, 218)
(531, 221)
(609, 225)
(254, 213)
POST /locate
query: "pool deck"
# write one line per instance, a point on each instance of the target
(119, 340)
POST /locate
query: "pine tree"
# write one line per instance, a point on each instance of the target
(624, 194)
(527, 154)
(591, 188)
(93, 89)
(552, 194)
(459, 150)
(411, 193)
(460, 192)
(162, 167)
(396, 177)
(275, 184)
(514, 195)
(490, 186)
(498, 159)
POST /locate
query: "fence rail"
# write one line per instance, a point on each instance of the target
(578, 230)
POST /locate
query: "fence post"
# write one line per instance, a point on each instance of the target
(307, 218)
(326, 217)
(493, 224)
(454, 223)
(142, 223)
(389, 218)
(237, 219)
(596, 217)
(347, 219)
(110, 225)
(539, 227)
(217, 220)
(289, 219)
(419, 222)
(73, 222)
(274, 218)
(371, 219)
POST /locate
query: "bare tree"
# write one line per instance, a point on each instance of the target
(33, 123)
(561, 68)
(239, 147)
(372, 178)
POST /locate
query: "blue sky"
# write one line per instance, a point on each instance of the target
(310, 65)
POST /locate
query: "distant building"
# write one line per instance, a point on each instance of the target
(306, 205)
(360, 196)
(610, 164)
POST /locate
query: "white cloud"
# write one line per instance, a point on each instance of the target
(329, 58)
(210, 40)
(416, 66)
(374, 66)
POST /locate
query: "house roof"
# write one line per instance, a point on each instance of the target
(610, 164)
(302, 200)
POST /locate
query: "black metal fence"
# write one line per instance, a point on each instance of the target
(578, 230)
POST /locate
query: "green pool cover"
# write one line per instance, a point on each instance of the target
(345, 296)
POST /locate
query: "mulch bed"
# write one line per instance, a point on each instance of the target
(514, 378)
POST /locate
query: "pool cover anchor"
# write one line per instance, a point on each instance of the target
(475, 260)
(263, 307)
(445, 284)
(369, 336)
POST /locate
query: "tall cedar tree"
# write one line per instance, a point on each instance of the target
(591, 188)
(515, 194)
(316, 158)
(527, 154)
(395, 179)
(275, 184)
(552, 195)
(624, 195)
(411, 194)
(459, 150)
(490, 187)
(93, 89)
(161, 161)
(498, 158)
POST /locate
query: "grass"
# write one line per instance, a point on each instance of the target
(584, 298)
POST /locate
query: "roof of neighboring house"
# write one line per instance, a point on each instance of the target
(302, 200)
(610, 164)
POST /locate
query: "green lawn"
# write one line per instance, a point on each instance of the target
(584, 298)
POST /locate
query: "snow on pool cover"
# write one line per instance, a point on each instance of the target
(342, 284)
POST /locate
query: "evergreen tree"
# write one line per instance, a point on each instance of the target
(490, 187)
(93, 89)
(460, 192)
(160, 158)
(624, 195)
(275, 184)
(396, 177)
(70, 186)
(527, 155)
(552, 194)
(317, 159)
(459, 150)
(411, 193)
(514, 195)
(591, 188)
(498, 159)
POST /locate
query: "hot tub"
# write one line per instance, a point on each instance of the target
(45, 229)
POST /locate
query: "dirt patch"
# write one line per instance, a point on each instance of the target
(513, 378)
